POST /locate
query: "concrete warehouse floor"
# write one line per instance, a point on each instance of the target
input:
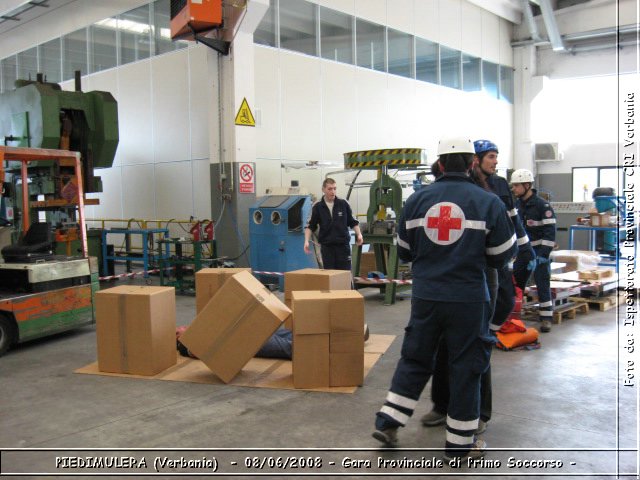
(548, 404)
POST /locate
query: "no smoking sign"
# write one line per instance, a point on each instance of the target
(247, 178)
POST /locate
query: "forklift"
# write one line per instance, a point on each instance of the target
(53, 140)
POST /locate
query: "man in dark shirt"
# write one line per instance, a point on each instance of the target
(333, 216)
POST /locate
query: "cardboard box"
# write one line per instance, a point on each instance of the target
(136, 329)
(596, 274)
(576, 259)
(600, 219)
(311, 367)
(339, 316)
(367, 263)
(236, 322)
(316, 279)
(313, 279)
(209, 281)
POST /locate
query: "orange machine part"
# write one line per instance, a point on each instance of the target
(197, 15)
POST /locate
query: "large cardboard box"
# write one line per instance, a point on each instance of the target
(209, 281)
(314, 279)
(136, 329)
(367, 263)
(234, 324)
(337, 316)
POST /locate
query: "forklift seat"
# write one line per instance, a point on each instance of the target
(36, 245)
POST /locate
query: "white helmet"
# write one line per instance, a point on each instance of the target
(522, 175)
(455, 145)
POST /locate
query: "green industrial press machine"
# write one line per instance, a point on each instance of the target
(385, 193)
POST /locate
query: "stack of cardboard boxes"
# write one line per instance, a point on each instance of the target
(328, 340)
(235, 316)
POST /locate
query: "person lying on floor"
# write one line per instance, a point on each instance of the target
(278, 345)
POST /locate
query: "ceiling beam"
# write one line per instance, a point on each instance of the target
(508, 9)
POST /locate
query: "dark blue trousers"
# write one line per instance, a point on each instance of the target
(465, 329)
(336, 257)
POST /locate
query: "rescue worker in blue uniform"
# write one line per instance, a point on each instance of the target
(333, 216)
(451, 231)
(500, 285)
(539, 220)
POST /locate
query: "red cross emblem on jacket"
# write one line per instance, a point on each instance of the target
(444, 223)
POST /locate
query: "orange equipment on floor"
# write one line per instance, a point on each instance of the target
(191, 17)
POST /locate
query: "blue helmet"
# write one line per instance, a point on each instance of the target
(482, 146)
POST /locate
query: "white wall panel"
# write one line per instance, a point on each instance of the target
(471, 29)
(400, 15)
(105, 81)
(135, 116)
(427, 23)
(268, 100)
(170, 106)
(138, 191)
(200, 84)
(339, 110)
(506, 34)
(201, 185)
(174, 187)
(449, 15)
(268, 174)
(401, 112)
(372, 10)
(301, 126)
(111, 195)
(490, 37)
(373, 121)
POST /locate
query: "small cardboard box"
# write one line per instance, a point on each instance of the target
(136, 329)
(600, 219)
(596, 274)
(367, 263)
(339, 316)
(234, 324)
(209, 281)
(313, 279)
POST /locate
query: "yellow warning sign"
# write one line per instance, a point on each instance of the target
(244, 116)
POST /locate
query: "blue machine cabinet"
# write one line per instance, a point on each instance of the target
(276, 235)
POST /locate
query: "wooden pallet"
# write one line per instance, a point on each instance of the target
(601, 303)
(569, 311)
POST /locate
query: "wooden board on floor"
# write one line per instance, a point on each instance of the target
(569, 311)
(601, 303)
(259, 372)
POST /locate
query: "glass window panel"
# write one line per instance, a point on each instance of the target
(9, 73)
(450, 60)
(399, 58)
(265, 34)
(611, 177)
(471, 80)
(336, 35)
(584, 181)
(490, 78)
(370, 45)
(135, 35)
(102, 45)
(506, 83)
(28, 64)
(51, 60)
(161, 30)
(74, 54)
(426, 61)
(298, 26)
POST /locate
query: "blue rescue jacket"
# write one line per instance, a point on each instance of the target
(451, 231)
(539, 221)
(500, 187)
(334, 229)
